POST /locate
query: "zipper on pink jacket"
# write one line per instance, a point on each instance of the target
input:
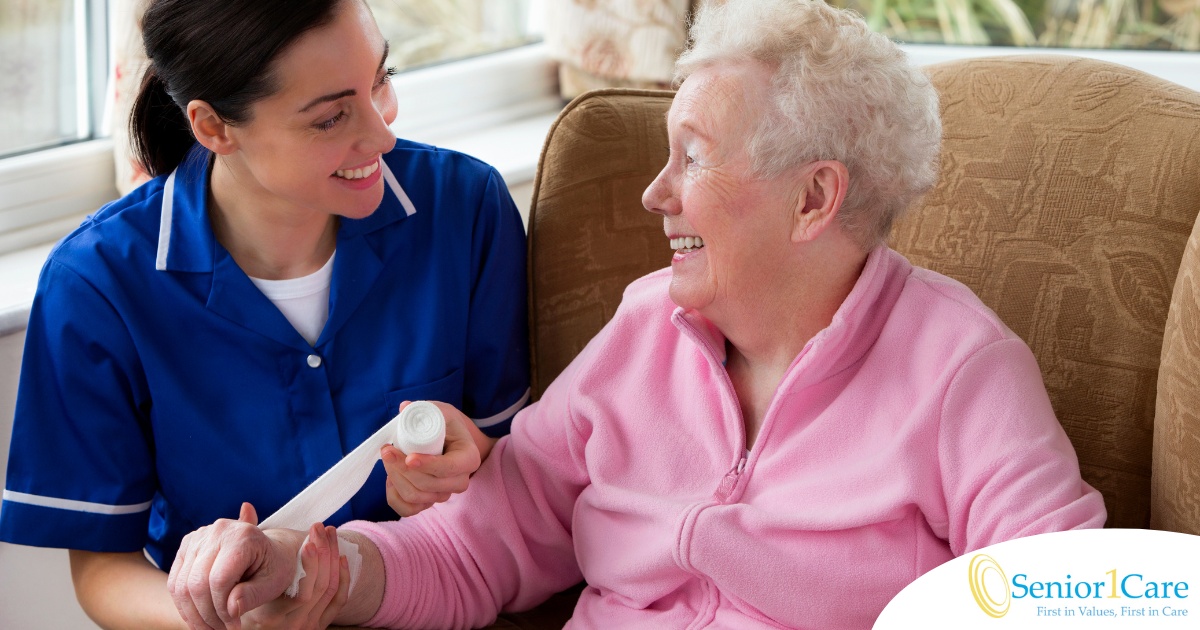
(731, 479)
(729, 482)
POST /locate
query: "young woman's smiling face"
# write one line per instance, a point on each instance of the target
(314, 146)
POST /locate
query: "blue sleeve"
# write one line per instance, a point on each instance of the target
(80, 469)
(497, 361)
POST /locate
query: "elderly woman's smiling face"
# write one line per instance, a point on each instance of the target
(738, 223)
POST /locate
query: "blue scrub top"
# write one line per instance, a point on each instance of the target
(160, 388)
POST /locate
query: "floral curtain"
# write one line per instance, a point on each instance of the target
(615, 43)
(130, 63)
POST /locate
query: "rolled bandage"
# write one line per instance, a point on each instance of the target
(420, 428)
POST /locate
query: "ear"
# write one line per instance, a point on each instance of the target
(210, 130)
(823, 188)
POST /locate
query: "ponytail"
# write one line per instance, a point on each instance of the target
(160, 135)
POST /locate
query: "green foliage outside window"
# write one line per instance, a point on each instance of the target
(1141, 24)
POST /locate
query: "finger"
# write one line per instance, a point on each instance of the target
(341, 596)
(449, 464)
(452, 480)
(182, 596)
(417, 487)
(333, 577)
(244, 548)
(428, 500)
(331, 567)
(400, 506)
(435, 473)
(326, 561)
(248, 514)
(309, 560)
(460, 457)
(393, 461)
(409, 493)
(270, 576)
(178, 563)
(200, 587)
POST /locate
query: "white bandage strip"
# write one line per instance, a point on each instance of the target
(420, 428)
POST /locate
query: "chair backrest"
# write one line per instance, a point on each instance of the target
(589, 235)
(1068, 190)
(1175, 484)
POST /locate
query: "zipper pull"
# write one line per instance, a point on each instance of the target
(730, 480)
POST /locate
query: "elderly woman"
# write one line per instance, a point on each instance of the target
(783, 429)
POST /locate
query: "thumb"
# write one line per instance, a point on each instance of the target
(248, 514)
(247, 596)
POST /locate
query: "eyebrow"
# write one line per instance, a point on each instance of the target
(344, 93)
(692, 126)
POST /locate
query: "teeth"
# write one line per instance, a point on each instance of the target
(358, 173)
(687, 243)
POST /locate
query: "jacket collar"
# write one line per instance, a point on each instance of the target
(854, 328)
(185, 238)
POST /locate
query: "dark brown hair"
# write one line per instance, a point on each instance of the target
(218, 51)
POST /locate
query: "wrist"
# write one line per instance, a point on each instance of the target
(285, 542)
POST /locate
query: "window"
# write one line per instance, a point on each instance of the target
(1093, 24)
(53, 62)
(56, 165)
(54, 56)
(423, 32)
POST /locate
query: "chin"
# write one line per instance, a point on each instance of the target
(686, 295)
(363, 205)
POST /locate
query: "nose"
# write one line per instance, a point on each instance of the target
(660, 196)
(376, 136)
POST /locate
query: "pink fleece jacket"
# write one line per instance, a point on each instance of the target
(913, 429)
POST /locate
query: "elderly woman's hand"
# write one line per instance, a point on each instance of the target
(231, 574)
(415, 482)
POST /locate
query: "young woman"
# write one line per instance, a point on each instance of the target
(227, 332)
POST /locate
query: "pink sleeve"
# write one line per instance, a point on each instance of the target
(505, 543)
(1008, 469)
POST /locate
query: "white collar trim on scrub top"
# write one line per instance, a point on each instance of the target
(168, 205)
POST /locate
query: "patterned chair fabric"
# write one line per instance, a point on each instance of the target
(1175, 483)
(589, 236)
(1069, 189)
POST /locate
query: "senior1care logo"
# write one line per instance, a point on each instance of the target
(1112, 578)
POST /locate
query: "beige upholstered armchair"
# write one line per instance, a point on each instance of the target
(1068, 192)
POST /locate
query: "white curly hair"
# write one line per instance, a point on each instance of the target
(839, 92)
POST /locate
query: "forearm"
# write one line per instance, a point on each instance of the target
(367, 594)
(123, 590)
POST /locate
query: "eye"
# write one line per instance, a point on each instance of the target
(330, 123)
(690, 159)
(387, 74)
